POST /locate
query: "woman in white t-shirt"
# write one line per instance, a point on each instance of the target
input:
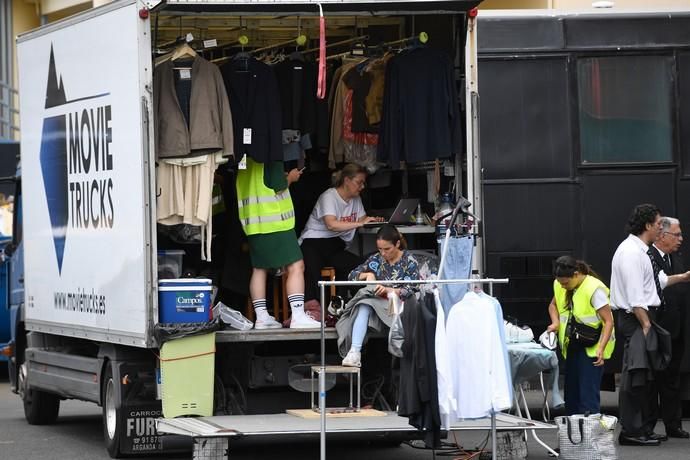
(337, 215)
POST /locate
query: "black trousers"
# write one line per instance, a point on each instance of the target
(325, 252)
(666, 401)
(634, 404)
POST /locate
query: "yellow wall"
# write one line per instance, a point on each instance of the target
(624, 4)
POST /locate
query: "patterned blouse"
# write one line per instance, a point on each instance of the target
(404, 269)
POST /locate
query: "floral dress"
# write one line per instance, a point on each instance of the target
(404, 269)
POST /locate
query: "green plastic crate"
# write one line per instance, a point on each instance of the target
(187, 371)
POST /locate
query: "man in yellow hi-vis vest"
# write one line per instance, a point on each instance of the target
(268, 219)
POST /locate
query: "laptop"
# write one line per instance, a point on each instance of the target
(402, 214)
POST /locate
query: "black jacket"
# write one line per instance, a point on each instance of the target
(418, 394)
(646, 355)
(672, 316)
(255, 104)
(421, 114)
(297, 87)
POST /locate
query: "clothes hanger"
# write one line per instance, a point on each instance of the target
(183, 50)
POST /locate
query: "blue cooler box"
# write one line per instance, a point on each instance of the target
(185, 300)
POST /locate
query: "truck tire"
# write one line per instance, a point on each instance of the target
(40, 407)
(112, 414)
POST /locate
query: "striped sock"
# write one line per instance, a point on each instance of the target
(260, 309)
(296, 303)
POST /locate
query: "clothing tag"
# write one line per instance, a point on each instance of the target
(247, 136)
(243, 162)
(185, 74)
(210, 43)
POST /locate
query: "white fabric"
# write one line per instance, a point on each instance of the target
(663, 277)
(185, 195)
(599, 299)
(480, 376)
(632, 276)
(330, 203)
(447, 404)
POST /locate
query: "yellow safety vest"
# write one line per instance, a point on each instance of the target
(261, 209)
(582, 310)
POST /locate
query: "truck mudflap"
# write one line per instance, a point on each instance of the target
(139, 435)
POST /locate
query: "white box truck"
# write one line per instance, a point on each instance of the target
(84, 255)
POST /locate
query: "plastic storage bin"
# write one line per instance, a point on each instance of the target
(187, 370)
(185, 300)
(170, 263)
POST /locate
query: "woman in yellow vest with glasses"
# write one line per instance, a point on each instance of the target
(581, 315)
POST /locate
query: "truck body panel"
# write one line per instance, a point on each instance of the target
(84, 147)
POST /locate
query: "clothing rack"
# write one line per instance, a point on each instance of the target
(298, 41)
(322, 374)
(361, 38)
(422, 38)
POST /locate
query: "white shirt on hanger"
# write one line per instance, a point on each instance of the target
(480, 377)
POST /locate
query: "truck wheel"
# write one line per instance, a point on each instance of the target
(112, 414)
(40, 407)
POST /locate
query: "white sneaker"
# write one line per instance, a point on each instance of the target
(304, 321)
(267, 323)
(353, 359)
(516, 334)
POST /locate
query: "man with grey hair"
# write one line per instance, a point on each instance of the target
(665, 398)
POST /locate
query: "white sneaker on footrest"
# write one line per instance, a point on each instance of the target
(353, 359)
(304, 321)
(267, 323)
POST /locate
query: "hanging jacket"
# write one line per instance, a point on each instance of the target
(210, 125)
(261, 209)
(255, 101)
(582, 311)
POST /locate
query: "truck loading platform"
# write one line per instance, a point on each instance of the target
(211, 434)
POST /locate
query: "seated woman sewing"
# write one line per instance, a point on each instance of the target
(391, 262)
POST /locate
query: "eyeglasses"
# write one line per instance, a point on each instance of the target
(677, 234)
(359, 182)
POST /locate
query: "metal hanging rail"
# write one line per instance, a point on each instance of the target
(322, 373)
(361, 38)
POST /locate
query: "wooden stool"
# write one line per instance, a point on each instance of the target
(328, 273)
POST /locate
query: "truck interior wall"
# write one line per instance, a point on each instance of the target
(542, 200)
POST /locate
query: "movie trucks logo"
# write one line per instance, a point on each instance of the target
(76, 161)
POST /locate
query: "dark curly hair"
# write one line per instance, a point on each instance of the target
(641, 215)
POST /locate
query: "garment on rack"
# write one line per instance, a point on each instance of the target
(205, 125)
(477, 356)
(447, 403)
(421, 114)
(297, 88)
(295, 145)
(336, 151)
(255, 101)
(185, 195)
(457, 265)
(383, 317)
(528, 360)
(418, 393)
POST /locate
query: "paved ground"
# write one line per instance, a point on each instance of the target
(78, 436)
